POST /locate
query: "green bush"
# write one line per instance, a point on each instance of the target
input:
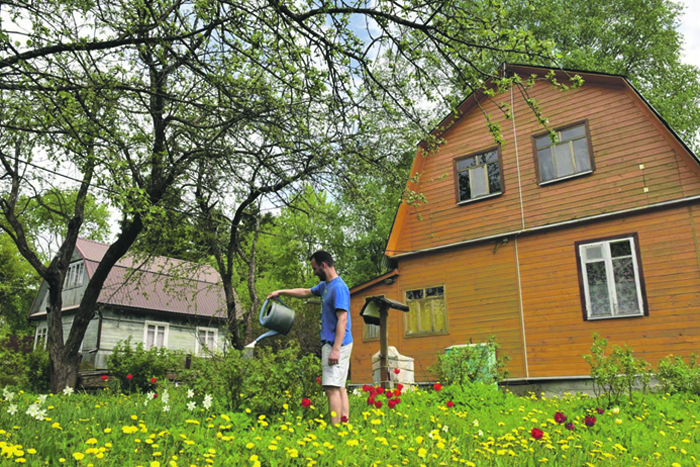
(262, 383)
(141, 364)
(675, 375)
(616, 372)
(12, 366)
(38, 371)
(464, 366)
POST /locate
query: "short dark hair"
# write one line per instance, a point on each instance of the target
(323, 257)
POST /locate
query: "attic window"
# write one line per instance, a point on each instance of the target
(570, 156)
(478, 176)
(75, 275)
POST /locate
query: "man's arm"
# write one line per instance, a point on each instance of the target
(296, 293)
(334, 356)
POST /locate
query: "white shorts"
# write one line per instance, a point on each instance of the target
(335, 375)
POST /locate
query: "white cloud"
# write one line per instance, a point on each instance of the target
(690, 30)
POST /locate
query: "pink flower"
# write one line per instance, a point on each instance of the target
(559, 417)
(589, 420)
(537, 433)
(305, 402)
(450, 404)
(437, 386)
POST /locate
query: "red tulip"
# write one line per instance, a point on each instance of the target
(437, 386)
(559, 417)
(399, 387)
(155, 395)
(389, 394)
(537, 433)
(378, 404)
(343, 419)
(318, 380)
(153, 380)
(569, 426)
(600, 411)
(450, 404)
(370, 400)
(380, 390)
(104, 378)
(392, 403)
(305, 402)
(396, 371)
(589, 420)
(129, 376)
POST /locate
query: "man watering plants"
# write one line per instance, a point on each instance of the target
(336, 334)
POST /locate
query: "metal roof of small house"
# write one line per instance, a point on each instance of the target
(156, 284)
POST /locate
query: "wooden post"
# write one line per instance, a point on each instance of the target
(384, 347)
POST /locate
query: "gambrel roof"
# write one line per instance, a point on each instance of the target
(443, 223)
(155, 284)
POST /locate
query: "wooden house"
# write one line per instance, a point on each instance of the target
(542, 244)
(160, 302)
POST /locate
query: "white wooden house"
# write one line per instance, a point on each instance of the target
(161, 302)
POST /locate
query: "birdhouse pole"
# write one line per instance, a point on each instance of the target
(384, 347)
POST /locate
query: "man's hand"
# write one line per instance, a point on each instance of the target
(334, 356)
(274, 295)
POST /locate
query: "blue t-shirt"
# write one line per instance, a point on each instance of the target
(335, 295)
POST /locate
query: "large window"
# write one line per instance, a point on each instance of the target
(570, 156)
(478, 176)
(75, 275)
(611, 278)
(155, 335)
(206, 341)
(428, 313)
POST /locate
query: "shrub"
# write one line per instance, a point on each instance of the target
(12, 366)
(467, 365)
(617, 372)
(675, 375)
(262, 383)
(38, 372)
(141, 364)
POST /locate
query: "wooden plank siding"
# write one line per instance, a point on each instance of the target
(624, 134)
(556, 333)
(481, 293)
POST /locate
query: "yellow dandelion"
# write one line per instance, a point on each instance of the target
(91, 441)
(78, 456)
(107, 430)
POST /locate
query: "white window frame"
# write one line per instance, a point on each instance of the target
(75, 275)
(610, 277)
(157, 324)
(42, 331)
(198, 348)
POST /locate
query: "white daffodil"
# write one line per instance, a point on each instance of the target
(190, 393)
(12, 409)
(191, 405)
(207, 401)
(68, 390)
(41, 398)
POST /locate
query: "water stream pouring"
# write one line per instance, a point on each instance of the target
(277, 317)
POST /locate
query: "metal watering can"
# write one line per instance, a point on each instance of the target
(277, 317)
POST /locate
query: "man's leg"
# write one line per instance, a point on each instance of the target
(345, 405)
(335, 402)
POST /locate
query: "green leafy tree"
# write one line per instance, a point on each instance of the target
(220, 103)
(18, 287)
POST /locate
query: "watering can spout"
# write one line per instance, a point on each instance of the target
(277, 317)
